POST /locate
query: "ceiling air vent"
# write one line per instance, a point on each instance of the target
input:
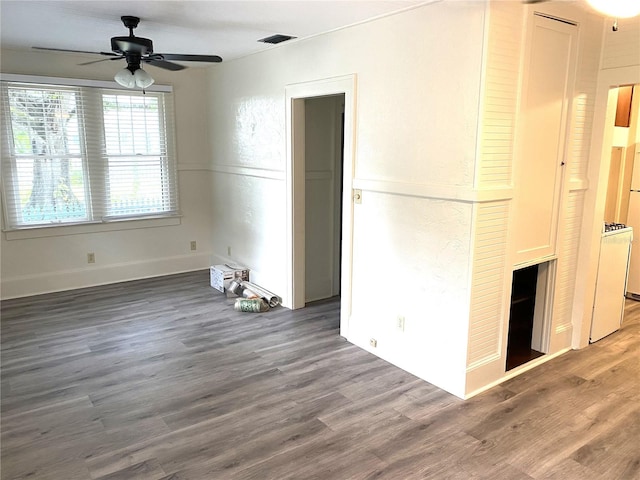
(278, 38)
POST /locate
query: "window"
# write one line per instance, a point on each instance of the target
(85, 154)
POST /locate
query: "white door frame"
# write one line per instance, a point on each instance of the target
(295, 180)
(598, 175)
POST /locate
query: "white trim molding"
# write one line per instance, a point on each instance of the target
(295, 180)
(440, 192)
(249, 171)
(76, 82)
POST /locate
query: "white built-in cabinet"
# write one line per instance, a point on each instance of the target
(542, 137)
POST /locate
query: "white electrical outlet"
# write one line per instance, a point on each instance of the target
(373, 342)
(194, 245)
(400, 323)
(91, 257)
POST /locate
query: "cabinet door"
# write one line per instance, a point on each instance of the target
(547, 87)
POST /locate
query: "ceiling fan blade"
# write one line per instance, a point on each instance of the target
(75, 51)
(163, 64)
(191, 58)
(119, 57)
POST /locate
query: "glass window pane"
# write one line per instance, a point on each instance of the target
(136, 185)
(137, 169)
(49, 172)
(50, 190)
(132, 124)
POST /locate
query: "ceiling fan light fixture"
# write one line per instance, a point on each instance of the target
(132, 79)
(616, 8)
(142, 78)
(125, 78)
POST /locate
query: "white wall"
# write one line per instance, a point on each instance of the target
(432, 232)
(418, 84)
(59, 261)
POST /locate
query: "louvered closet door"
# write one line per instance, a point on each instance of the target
(543, 123)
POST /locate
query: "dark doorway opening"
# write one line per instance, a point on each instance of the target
(525, 306)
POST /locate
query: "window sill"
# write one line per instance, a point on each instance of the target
(79, 229)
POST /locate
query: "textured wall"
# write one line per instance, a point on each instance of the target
(417, 96)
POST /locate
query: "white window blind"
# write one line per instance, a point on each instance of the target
(75, 154)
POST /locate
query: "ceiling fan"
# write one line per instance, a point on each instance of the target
(137, 50)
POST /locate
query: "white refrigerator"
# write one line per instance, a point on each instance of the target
(633, 220)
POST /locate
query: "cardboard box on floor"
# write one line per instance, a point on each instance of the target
(222, 275)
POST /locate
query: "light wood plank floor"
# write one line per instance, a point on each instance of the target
(161, 379)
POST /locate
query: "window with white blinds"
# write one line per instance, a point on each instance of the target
(78, 154)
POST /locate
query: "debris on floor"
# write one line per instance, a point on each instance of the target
(271, 298)
(255, 298)
(254, 305)
(223, 275)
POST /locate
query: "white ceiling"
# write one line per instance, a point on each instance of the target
(212, 27)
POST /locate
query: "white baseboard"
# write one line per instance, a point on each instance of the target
(49, 282)
(515, 372)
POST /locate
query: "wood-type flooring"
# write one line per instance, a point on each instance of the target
(162, 379)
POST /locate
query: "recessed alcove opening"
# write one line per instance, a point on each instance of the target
(527, 338)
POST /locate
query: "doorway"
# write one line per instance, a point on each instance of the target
(602, 142)
(622, 200)
(323, 161)
(528, 336)
(623, 178)
(336, 227)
